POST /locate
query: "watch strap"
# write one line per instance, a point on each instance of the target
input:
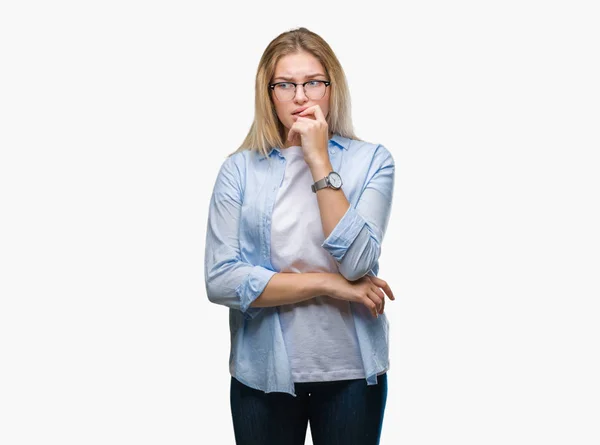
(320, 184)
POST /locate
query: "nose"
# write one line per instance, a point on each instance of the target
(300, 95)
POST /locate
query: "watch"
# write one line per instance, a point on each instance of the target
(332, 180)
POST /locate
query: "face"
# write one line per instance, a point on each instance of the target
(298, 68)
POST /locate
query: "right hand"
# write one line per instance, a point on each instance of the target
(365, 290)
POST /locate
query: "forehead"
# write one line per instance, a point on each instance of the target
(299, 65)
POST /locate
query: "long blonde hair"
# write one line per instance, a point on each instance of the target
(266, 130)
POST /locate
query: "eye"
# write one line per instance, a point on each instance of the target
(284, 86)
(314, 83)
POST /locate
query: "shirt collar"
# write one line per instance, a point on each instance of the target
(336, 139)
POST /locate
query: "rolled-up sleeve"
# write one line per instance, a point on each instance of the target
(229, 280)
(355, 242)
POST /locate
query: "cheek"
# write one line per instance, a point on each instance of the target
(280, 112)
(276, 107)
(325, 105)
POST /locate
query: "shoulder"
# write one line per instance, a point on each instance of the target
(365, 151)
(243, 160)
(231, 174)
(235, 164)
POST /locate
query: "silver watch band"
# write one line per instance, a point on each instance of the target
(320, 184)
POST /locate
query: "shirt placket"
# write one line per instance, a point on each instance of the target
(276, 179)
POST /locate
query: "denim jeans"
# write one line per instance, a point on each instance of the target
(344, 412)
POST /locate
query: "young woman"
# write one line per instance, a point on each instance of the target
(295, 227)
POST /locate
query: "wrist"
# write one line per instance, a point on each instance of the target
(320, 169)
(326, 283)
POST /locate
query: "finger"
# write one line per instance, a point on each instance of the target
(293, 132)
(296, 129)
(304, 120)
(375, 298)
(307, 114)
(370, 305)
(315, 110)
(381, 295)
(384, 285)
(378, 291)
(388, 290)
(382, 306)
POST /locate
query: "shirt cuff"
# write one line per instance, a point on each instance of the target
(250, 289)
(344, 233)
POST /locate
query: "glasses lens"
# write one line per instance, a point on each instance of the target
(284, 91)
(314, 90)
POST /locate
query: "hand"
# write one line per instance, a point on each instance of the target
(365, 290)
(312, 130)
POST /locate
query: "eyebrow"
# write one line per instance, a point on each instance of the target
(307, 76)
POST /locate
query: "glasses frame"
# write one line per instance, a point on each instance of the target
(273, 85)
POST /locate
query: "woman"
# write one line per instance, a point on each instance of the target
(295, 226)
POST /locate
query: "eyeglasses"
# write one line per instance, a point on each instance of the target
(286, 91)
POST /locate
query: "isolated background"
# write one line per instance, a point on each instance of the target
(115, 117)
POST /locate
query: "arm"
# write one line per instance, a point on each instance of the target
(355, 240)
(230, 281)
(288, 288)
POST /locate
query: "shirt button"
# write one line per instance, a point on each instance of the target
(332, 151)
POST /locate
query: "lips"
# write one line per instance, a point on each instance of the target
(299, 110)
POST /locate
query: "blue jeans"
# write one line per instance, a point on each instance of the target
(344, 412)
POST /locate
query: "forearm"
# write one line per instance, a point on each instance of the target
(287, 288)
(333, 204)
(355, 239)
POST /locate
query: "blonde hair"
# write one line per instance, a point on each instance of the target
(266, 130)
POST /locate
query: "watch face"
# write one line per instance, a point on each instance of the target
(335, 180)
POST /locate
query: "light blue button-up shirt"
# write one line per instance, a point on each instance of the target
(237, 260)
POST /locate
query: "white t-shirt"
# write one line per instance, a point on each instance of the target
(319, 333)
